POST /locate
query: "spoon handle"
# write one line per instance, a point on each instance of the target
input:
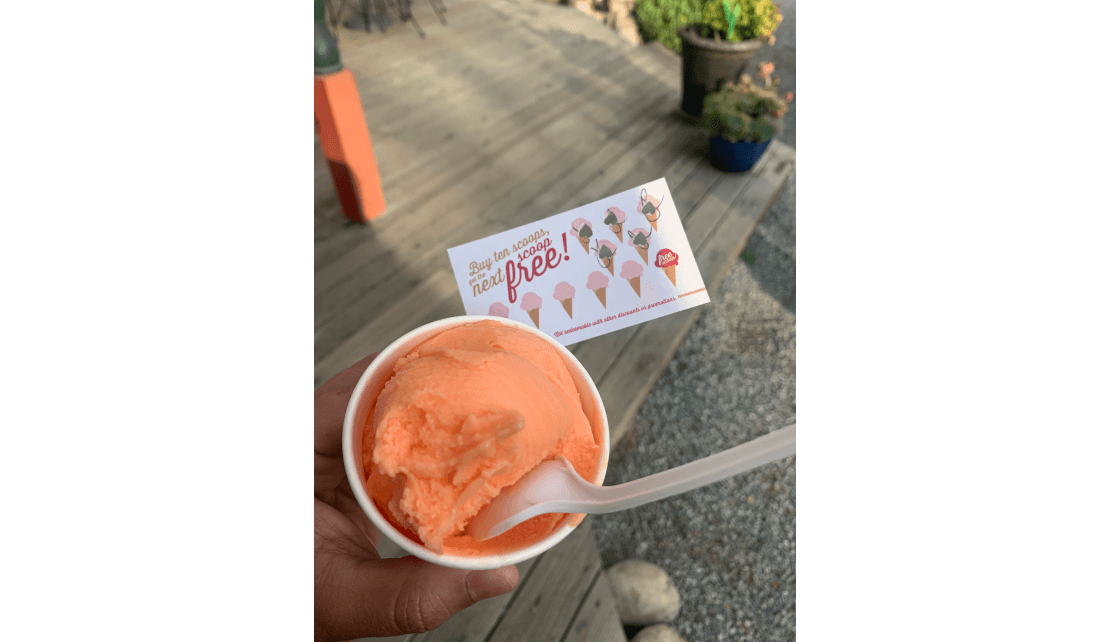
(752, 454)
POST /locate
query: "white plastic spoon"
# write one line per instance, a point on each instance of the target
(555, 487)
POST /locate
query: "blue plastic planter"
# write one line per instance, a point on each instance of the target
(736, 157)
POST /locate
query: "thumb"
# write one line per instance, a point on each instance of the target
(377, 597)
(425, 595)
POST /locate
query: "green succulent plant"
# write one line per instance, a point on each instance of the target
(745, 111)
(731, 20)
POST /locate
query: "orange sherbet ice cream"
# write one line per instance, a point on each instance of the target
(466, 414)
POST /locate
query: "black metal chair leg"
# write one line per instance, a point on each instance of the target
(383, 11)
(439, 8)
(404, 13)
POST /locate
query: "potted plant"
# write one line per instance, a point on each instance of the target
(743, 118)
(716, 38)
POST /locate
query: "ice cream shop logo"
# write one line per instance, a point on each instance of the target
(667, 261)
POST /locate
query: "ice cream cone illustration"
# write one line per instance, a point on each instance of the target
(598, 282)
(614, 218)
(649, 207)
(605, 251)
(564, 293)
(498, 310)
(531, 303)
(667, 260)
(631, 271)
(582, 230)
(641, 240)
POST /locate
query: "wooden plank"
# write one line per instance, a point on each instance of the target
(501, 60)
(517, 81)
(436, 257)
(639, 365)
(501, 50)
(387, 50)
(405, 275)
(423, 12)
(470, 113)
(333, 259)
(597, 620)
(476, 622)
(386, 321)
(545, 605)
(544, 159)
(376, 336)
(496, 134)
(556, 19)
(579, 181)
(356, 348)
(667, 140)
(382, 336)
(566, 138)
(551, 26)
(481, 50)
(619, 339)
(702, 177)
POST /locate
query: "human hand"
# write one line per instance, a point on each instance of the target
(357, 594)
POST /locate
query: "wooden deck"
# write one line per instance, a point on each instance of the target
(514, 111)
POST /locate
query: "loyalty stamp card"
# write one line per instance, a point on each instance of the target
(598, 268)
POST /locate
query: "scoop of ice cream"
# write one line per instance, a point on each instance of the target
(563, 290)
(630, 269)
(529, 301)
(639, 237)
(665, 258)
(581, 227)
(614, 216)
(465, 414)
(609, 247)
(644, 200)
(597, 280)
(498, 310)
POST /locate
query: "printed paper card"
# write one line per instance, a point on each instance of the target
(598, 268)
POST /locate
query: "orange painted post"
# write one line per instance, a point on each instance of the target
(339, 117)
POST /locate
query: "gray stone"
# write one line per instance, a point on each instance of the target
(658, 633)
(644, 593)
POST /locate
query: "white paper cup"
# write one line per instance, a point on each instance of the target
(361, 409)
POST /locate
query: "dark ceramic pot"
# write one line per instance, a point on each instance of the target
(736, 157)
(708, 63)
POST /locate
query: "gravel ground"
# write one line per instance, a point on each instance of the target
(730, 548)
